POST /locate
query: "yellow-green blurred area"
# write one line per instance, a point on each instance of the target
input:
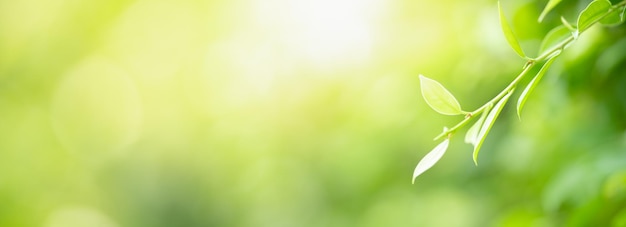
(300, 113)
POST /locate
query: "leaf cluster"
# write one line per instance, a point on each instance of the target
(442, 101)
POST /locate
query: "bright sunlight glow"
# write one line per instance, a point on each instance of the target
(324, 33)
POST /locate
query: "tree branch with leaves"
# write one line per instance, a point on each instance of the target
(558, 39)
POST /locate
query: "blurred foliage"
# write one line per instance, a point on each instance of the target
(299, 113)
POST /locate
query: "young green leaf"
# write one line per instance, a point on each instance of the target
(551, 4)
(491, 118)
(509, 35)
(438, 98)
(430, 159)
(533, 83)
(567, 24)
(616, 17)
(594, 12)
(472, 134)
(554, 37)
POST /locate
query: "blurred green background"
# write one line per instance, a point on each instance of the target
(299, 113)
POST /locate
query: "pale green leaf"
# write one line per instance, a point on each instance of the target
(509, 35)
(430, 159)
(594, 12)
(551, 4)
(567, 24)
(438, 98)
(554, 37)
(616, 17)
(533, 83)
(471, 136)
(491, 118)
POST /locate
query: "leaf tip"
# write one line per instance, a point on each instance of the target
(520, 104)
(475, 154)
(551, 4)
(430, 159)
(509, 34)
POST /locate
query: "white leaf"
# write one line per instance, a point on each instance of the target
(430, 159)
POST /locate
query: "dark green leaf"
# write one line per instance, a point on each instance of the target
(533, 83)
(551, 4)
(430, 159)
(439, 98)
(611, 58)
(594, 11)
(491, 118)
(509, 35)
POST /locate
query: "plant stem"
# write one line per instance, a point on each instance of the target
(490, 103)
(529, 65)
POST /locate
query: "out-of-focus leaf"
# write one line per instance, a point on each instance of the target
(563, 187)
(594, 11)
(509, 35)
(471, 137)
(439, 98)
(533, 83)
(430, 159)
(614, 18)
(611, 58)
(555, 36)
(615, 185)
(551, 4)
(491, 118)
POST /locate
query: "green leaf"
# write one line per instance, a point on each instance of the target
(471, 137)
(567, 24)
(509, 35)
(554, 37)
(594, 11)
(491, 118)
(533, 83)
(551, 4)
(438, 98)
(616, 17)
(430, 159)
